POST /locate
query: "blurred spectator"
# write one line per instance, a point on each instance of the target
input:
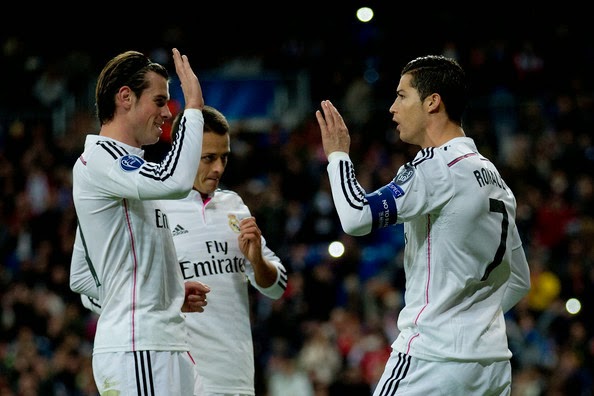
(319, 356)
(284, 375)
(50, 88)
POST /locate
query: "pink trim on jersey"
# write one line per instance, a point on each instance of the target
(428, 267)
(456, 160)
(428, 260)
(428, 279)
(134, 272)
(410, 343)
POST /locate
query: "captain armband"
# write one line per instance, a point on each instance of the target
(382, 203)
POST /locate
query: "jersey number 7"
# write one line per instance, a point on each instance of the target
(497, 206)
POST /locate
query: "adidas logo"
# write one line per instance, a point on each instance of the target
(178, 230)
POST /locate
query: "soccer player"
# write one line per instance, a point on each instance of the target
(464, 261)
(140, 345)
(218, 241)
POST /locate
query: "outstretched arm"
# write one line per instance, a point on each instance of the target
(349, 196)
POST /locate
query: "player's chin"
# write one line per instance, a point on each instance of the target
(155, 137)
(211, 185)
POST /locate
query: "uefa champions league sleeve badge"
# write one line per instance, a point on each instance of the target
(130, 163)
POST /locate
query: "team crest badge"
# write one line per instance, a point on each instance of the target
(233, 222)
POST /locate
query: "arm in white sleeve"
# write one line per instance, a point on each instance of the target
(277, 289)
(82, 280)
(91, 303)
(173, 177)
(518, 284)
(348, 195)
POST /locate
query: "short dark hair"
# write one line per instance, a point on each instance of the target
(441, 75)
(126, 69)
(214, 121)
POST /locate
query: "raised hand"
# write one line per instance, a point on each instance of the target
(189, 81)
(335, 134)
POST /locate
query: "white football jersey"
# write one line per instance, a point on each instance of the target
(125, 237)
(463, 257)
(205, 235)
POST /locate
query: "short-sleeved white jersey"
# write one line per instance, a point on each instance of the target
(205, 235)
(126, 238)
(461, 236)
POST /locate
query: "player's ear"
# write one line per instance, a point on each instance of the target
(432, 102)
(124, 96)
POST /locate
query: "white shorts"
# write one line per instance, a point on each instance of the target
(405, 375)
(146, 373)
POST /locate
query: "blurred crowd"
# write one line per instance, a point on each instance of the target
(532, 113)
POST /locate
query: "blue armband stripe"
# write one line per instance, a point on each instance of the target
(382, 203)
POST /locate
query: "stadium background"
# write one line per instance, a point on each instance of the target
(267, 68)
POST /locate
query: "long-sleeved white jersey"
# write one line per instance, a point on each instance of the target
(125, 237)
(205, 235)
(464, 262)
